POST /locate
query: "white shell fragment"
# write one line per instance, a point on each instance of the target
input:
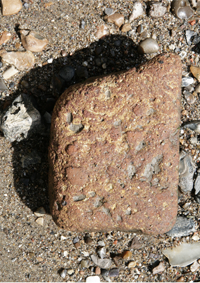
(102, 263)
(10, 72)
(183, 255)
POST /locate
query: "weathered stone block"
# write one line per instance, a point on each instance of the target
(114, 163)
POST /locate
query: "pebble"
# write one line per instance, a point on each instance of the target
(40, 221)
(93, 279)
(102, 31)
(126, 27)
(186, 172)
(182, 255)
(138, 11)
(193, 126)
(33, 41)
(40, 212)
(127, 255)
(47, 117)
(109, 11)
(197, 183)
(159, 268)
(157, 10)
(182, 227)
(197, 88)
(5, 37)
(67, 73)
(84, 263)
(102, 263)
(116, 18)
(10, 72)
(189, 36)
(195, 237)
(11, 7)
(65, 253)
(101, 243)
(104, 272)
(186, 81)
(2, 85)
(182, 9)
(181, 279)
(97, 270)
(88, 240)
(76, 128)
(148, 46)
(102, 252)
(63, 273)
(70, 272)
(11, 85)
(196, 72)
(114, 272)
(50, 60)
(194, 267)
(132, 264)
(21, 60)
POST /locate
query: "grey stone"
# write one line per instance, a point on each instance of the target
(114, 272)
(67, 73)
(189, 36)
(197, 184)
(20, 119)
(182, 227)
(2, 85)
(76, 127)
(186, 81)
(193, 126)
(186, 172)
(109, 11)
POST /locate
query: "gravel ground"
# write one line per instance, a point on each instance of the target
(33, 252)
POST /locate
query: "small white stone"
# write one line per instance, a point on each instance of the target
(195, 237)
(50, 60)
(194, 266)
(40, 221)
(40, 212)
(10, 72)
(93, 279)
(159, 268)
(85, 254)
(65, 253)
(138, 11)
(63, 238)
(70, 271)
(85, 64)
(63, 273)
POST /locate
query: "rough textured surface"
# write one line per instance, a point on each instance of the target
(119, 170)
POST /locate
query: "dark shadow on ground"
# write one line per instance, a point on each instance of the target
(44, 85)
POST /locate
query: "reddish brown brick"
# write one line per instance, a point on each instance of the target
(115, 166)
